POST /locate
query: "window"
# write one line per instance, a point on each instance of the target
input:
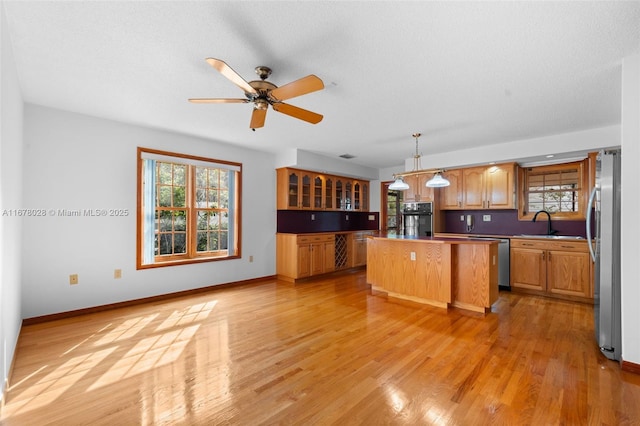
(188, 209)
(560, 189)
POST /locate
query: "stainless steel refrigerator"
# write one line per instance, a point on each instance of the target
(603, 214)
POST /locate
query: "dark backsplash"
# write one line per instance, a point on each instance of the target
(304, 221)
(505, 222)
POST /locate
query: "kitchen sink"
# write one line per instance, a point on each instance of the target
(553, 237)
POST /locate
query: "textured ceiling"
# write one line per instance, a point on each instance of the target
(462, 73)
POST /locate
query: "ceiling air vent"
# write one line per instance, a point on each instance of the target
(347, 156)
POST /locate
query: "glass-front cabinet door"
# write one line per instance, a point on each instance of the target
(305, 201)
(328, 193)
(318, 192)
(338, 194)
(365, 197)
(294, 190)
(307, 190)
(356, 195)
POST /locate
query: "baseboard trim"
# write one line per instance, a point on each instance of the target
(631, 367)
(100, 308)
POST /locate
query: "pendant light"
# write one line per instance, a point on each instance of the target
(399, 184)
(437, 181)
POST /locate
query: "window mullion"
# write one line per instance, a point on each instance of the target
(191, 212)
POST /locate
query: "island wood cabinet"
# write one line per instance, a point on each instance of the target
(306, 190)
(480, 188)
(559, 268)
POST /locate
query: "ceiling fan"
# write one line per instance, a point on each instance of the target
(263, 93)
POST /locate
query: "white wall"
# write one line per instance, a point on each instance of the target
(630, 209)
(307, 160)
(585, 140)
(11, 114)
(72, 161)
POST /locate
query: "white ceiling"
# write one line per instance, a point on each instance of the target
(463, 74)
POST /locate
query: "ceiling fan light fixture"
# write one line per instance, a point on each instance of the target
(261, 104)
(399, 185)
(437, 181)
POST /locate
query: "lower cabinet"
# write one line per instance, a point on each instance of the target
(301, 256)
(558, 268)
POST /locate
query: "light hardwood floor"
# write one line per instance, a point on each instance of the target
(322, 352)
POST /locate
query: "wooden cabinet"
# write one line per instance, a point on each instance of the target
(294, 189)
(480, 188)
(560, 268)
(473, 188)
(304, 255)
(451, 196)
(500, 184)
(304, 190)
(418, 191)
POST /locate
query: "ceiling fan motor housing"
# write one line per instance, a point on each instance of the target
(263, 88)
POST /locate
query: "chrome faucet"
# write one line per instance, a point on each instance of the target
(549, 230)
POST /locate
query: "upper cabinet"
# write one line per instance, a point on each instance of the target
(305, 190)
(418, 191)
(294, 189)
(451, 196)
(480, 188)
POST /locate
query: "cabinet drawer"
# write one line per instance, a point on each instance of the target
(315, 238)
(530, 244)
(575, 246)
(580, 246)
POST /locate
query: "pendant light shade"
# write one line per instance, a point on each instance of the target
(437, 181)
(399, 185)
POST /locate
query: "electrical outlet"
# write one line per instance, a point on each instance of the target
(486, 218)
(73, 279)
(413, 255)
(461, 218)
(117, 274)
(250, 258)
(313, 216)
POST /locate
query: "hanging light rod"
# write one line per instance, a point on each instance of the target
(437, 181)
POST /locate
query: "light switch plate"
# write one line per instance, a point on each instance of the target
(486, 218)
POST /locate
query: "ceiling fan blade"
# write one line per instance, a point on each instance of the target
(257, 118)
(305, 85)
(218, 101)
(228, 72)
(296, 112)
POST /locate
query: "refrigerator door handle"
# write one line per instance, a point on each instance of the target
(588, 224)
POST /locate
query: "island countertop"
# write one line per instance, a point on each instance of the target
(440, 271)
(437, 238)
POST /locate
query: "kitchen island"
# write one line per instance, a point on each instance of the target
(439, 271)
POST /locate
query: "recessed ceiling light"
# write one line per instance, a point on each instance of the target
(550, 156)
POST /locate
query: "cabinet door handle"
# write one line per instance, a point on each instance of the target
(527, 244)
(459, 203)
(568, 247)
(542, 254)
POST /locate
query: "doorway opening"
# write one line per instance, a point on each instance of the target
(391, 209)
